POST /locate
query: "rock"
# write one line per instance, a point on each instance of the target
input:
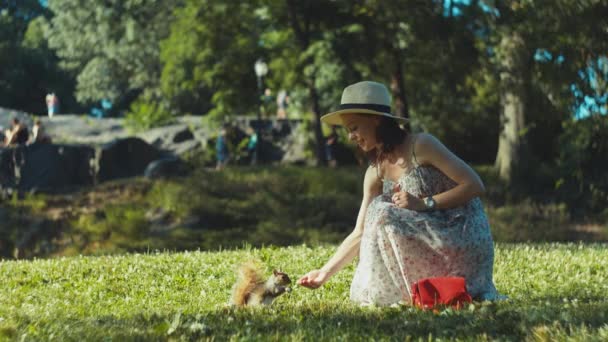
(49, 167)
(285, 140)
(295, 149)
(81, 129)
(124, 158)
(7, 168)
(183, 135)
(169, 138)
(186, 147)
(175, 139)
(45, 167)
(167, 167)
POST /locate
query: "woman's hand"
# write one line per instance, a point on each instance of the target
(404, 199)
(314, 279)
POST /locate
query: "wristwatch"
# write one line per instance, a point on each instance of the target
(429, 202)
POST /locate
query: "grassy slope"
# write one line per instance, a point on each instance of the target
(268, 205)
(556, 291)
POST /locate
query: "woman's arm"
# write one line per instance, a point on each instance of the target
(431, 151)
(349, 249)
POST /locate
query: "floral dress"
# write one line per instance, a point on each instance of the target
(401, 246)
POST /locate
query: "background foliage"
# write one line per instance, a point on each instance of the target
(521, 84)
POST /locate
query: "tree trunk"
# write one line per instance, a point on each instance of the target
(302, 33)
(398, 88)
(512, 58)
(401, 105)
(316, 108)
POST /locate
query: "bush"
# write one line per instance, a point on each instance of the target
(145, 114)
(582, 165)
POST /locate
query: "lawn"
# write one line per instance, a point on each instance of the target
(557, 291)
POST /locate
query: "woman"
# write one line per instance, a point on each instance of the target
(420, 216)
(221, 150)
(17, 135)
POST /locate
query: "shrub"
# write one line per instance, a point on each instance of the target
(582, 164)
(145, 114)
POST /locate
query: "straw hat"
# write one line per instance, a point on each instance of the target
(363, 98)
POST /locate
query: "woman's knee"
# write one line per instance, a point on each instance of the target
(384, 213)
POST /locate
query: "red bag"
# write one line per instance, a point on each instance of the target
(430, 292)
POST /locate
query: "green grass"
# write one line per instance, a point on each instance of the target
(557, 292)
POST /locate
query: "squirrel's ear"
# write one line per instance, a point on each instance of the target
(275, 272)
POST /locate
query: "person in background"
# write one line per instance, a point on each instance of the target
(18, 134)
(52, 104)
(267, 103)
(39, 133)
(252, 146)
(282, 103)
(221, 149)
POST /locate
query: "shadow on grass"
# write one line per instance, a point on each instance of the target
(509, 320)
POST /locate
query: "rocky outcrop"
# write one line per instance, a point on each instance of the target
(46, 167)
(94, 150)
(124, 158)
(178, 139)
(51, 168)
(166, 168)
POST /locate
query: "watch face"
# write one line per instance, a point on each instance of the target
(429, 202)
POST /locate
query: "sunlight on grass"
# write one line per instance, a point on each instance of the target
(556, 291)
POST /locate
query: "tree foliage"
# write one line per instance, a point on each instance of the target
(208, 58)
(112, 46)
(29, 67)
(489, 78)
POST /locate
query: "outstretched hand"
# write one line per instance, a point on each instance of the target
(313, 279)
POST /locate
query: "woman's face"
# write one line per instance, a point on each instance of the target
(361, 130)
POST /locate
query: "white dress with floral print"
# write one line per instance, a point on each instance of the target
(401, 246)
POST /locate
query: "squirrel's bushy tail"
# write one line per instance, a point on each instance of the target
(248, 278)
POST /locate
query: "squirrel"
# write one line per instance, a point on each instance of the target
(250, 288)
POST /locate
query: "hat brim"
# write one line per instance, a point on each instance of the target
(335, 119)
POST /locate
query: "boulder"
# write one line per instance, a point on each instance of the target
(7, 168)
(171, 138)
(45, 167)
(124, 158)
(48, 167)
(182, 136)
(186, 147)
(166, 167)
(295, 149)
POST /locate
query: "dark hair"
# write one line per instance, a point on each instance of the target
(389, 134)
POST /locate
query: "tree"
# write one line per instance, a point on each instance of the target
(519, 29)
(29, 68)
(113, 46)
(208, 58)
